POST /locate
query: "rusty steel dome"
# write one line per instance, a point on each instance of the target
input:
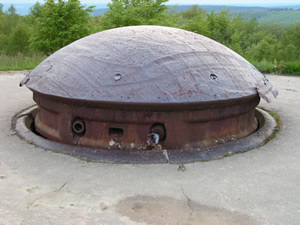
(146, 87)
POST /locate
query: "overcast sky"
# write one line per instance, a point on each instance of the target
(200, 2)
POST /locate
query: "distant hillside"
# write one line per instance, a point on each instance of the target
(217, 8)
(99, 12)
(283, 16)
(23, 8)
(277, 14)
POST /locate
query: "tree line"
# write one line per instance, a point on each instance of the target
(56, 23)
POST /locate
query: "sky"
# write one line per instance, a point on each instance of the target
(199, 2)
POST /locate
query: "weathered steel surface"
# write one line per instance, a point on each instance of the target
(146, 87)
(129, 129)
(22, 126)
(147, 64)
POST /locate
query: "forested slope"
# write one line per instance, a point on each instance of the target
(283, 16)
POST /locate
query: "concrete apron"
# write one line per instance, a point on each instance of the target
(257, 187)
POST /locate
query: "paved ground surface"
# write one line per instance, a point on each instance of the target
(260, 187)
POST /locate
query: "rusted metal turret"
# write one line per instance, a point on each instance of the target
(145, 87)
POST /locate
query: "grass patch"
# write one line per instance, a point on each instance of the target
(181, 168)
(263, 66)
(277, 119)
(292, 68)
(20, 61)
(228, 154)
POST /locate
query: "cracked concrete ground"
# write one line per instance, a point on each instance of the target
(259, 187)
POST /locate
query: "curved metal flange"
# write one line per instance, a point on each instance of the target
(22, 124)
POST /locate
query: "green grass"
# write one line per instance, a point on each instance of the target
(264, 66)
(292, 68)
(228, 154)
(277, 128)
(277, 118)
(20, 61)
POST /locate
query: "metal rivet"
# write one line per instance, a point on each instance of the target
(117, 76)
(213, 76)
(49, 68)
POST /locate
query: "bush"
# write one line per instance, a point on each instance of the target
(264, 66)
(60, 23)
(292, 68)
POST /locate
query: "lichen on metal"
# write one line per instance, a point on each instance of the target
(110, 90)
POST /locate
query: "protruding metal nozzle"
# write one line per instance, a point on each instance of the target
(153, 139)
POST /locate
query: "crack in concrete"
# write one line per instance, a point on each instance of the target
(189, 201)
(62, 186)
(45, 195)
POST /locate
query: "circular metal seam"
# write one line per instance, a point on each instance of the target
(151, 106)
(144, 157)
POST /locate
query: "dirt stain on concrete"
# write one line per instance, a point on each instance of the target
(32, 189)
(169, 211)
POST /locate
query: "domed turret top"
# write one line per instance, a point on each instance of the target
(147, 64)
